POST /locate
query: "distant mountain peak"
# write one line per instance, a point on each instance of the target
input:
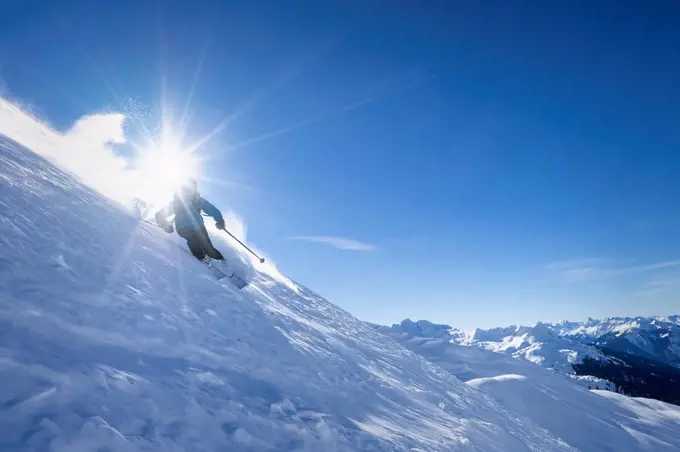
(540, 332)
(422, 328)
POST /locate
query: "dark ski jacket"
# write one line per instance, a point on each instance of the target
(187, 213)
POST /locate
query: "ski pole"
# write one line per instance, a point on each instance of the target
(152, 223)
(148, 222)
(261, 259)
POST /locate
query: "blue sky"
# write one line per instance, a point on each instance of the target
(486, 163)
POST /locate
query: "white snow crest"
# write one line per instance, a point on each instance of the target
(479, 382)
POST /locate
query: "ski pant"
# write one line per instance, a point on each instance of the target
(199, 243)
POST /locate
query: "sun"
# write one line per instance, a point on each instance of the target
(162, 167)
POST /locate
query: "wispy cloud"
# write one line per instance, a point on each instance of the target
(580, 269)
(644, 268)
(578, 262)
(595, 268)
(659, 285)
(668, 280)
(342, 243)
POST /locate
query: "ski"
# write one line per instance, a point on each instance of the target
(219, 274)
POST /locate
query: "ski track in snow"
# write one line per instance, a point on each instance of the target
(113, 337)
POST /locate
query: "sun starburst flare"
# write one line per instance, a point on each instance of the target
(163, 166)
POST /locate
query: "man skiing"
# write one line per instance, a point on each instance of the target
(187, 205)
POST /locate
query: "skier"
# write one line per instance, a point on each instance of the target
(187, 205)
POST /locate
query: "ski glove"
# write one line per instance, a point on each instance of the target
(219, 224)
(163, 223)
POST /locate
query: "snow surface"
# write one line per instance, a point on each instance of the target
(586, 420)
(477, 382)
(112, 337)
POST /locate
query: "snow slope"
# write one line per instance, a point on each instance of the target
(586, 420)
(112, 337)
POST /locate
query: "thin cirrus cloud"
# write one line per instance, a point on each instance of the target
(594, 268)
(341, 243)
(665, 281)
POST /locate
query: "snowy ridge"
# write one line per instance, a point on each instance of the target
(595, 328)
(562, 344)
(114, 338)
(423, 328)
(653, 337)
(539, 344)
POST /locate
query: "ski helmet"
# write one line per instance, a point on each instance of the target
(189, 189)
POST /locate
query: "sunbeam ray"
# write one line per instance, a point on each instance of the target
(337, 112)
(228, 183)
(120, 261)
(247, 105)
(280, 81)
(184, 121)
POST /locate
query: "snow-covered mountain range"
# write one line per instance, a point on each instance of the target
(652, 337)
(113, 337)
(573, 348)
